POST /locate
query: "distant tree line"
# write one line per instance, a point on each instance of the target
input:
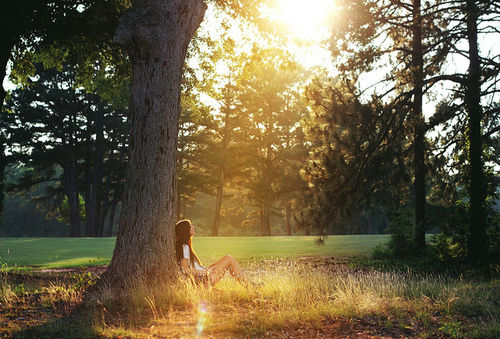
(72, 139)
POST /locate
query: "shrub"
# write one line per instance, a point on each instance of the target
(401, 244)
(451, 243)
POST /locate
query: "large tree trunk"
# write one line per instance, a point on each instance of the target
(419, 129)
(477, 244)
(156, 34)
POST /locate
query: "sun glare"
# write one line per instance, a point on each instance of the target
(306, 20)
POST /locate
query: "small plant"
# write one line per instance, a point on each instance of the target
(451, 328)
(83, 280)
(3, 267)
(55, 294)
(401, 244)
(6, 292)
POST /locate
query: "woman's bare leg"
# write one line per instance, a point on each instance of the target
(219, 268)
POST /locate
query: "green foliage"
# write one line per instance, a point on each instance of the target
(26, 213)
(269, 96)
(64, 209)
(402, 232)
(3, 266)
(83, 280)
(24, 67)
(377, 40)
(356, 156)
(451, 328)
(451, 242)
(71, 142)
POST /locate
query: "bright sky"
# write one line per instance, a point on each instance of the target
(306, 24)
(303, 20)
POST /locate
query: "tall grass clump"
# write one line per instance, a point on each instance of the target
(7, 295)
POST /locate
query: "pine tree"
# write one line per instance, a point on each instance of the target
(268, 81)
(357, 154)
(45, 129)
(406, 39)
(52, 125)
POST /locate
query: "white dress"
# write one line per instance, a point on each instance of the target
(186, 254)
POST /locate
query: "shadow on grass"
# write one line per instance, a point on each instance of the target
(77, 324)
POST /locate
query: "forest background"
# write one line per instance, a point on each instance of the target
(374, 137)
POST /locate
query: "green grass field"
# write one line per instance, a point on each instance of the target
(73, 252)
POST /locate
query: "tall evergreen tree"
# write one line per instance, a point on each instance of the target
(52, 123)
(227, 147)
(406, 39)
(475, 95)
(53, 32)
(45, 130)
(268, 80)
(357, 155)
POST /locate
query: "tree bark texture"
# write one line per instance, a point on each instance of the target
(156, 34)
(419, 129)
(477, 244)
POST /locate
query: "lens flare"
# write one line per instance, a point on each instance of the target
(202, 317)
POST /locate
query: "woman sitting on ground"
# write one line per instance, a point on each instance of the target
(191, 265)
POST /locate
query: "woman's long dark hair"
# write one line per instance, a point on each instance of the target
(183, 237)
